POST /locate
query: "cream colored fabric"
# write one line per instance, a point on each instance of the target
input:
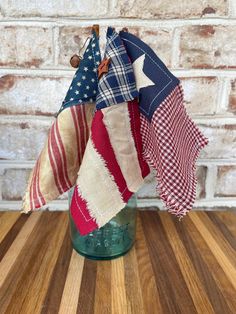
(93, 174)
(116, 120)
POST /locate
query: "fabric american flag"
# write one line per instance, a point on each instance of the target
(57, 166)
(171, 140)
(113, 167)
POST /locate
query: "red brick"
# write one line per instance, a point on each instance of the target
(232, 97)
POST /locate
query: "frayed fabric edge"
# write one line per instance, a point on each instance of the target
(171, 204)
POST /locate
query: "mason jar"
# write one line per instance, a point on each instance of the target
(112, 240)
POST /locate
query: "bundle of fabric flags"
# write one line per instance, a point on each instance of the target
(123, 114)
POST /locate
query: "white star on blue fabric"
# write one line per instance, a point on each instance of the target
(141, 78)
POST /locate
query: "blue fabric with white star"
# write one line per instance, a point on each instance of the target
(150, 97)
(84, 85)
(118, 84)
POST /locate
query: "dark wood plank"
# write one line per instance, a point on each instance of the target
(151, 297)
(11, 235)
(207, 254)
(215, 295)
(223, 228)
(132, 284)
(35, 264)
(219, 237)
(51, 303)
(195, 287)
(170, 282)
(228, 218)
(87, 288)
(103, 288)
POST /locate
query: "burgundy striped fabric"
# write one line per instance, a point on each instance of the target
(56, 169)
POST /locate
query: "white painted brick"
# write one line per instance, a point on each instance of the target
(32, 95)
(208, 46)
(22, 139)
(226, 179)
(200, 94)
(165, 9)
(25, 46)
(92, 8)
(14, 183)
(222, 142)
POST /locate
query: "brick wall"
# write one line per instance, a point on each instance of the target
(195, 39)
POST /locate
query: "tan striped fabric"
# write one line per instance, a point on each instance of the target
(56, 169)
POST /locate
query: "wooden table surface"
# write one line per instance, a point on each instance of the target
(186, 266)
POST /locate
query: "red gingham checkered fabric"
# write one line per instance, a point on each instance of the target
(172, 143)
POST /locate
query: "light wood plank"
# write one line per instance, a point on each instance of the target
(222, 259)
(13, 252)
(103, 288)
(70, 296)
(118, 293)
(7, 220)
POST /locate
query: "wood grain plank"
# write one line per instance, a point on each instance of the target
(70, 296)
(16, 247)
(118, 293)
(192, 280)
(219, 237)
(87, 288)
(13, 264)
(11, 234)
(227, 234)
(204, 273)
(174, 267)
(103, 288)
(170, 282)
(132, 284)
(150, 295)
(52, 299)
(33, 284)
(213, 266)
(220, 255)
(228, 219)
(7, 220)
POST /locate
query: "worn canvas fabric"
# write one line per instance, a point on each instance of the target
(113, 167)
(56, 169)
(171, 140)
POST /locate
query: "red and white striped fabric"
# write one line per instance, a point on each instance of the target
(112, 169)
(172, 143)
(56, 169)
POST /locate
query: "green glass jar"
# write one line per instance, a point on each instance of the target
(110, 241)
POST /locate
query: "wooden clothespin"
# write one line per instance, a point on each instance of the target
(95, 27)
(75, 59)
